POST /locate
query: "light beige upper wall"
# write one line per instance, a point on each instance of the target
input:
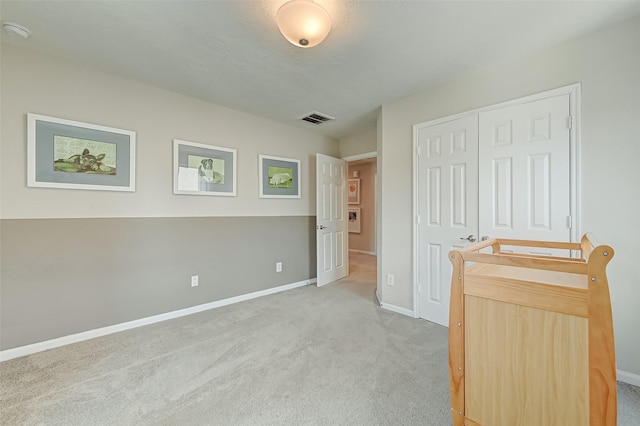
(607, 63)
(48, 86)
(361, 143)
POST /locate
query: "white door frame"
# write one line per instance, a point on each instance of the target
(363, 156)
(574, 92)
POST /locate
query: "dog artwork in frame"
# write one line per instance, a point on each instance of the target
(73, 155)
(200, 169)
(354, 219)
(279, 177)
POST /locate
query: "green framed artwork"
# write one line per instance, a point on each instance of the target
(200, 169)
(279, 177)
(73, 155)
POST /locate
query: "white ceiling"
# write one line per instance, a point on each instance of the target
(230, 52)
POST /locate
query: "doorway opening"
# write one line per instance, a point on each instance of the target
(361, 205)
(362, 219)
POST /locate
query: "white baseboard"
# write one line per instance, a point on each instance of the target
(393, 308)
(630, 378)
(372, 253)
(98, 332)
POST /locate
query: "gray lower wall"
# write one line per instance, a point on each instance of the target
(65, 276)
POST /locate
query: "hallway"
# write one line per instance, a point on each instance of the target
(363, 266)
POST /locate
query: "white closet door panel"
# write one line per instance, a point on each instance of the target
(502, 193)
(524, 175)
(447, 205)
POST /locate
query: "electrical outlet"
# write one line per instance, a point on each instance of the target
(391, 280)
(194, 281)
(278, 266)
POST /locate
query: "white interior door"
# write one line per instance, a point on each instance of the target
(331, 223)
(524, 181)
(504, 173)
(447, 187)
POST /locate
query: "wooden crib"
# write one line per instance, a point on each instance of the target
(530, 336)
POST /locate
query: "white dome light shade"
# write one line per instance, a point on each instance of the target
(14, 29)
(303, 22)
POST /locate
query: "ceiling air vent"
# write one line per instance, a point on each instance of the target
(316, 118)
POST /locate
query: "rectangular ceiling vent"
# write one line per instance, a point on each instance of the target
(316, 118)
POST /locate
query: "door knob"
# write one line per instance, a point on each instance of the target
(471, 238)
(321, 227)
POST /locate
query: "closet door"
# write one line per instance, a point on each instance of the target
(503, 173)
(447, 197)
(524, 173)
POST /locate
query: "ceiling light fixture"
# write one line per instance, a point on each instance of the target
(303, 22)
(14, 29)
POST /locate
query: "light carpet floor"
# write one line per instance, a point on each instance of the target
(308, 356)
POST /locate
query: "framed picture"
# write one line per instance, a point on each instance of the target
(73, 155)
(354, 220)
(353, 188)
(200, 169)
(279, 177)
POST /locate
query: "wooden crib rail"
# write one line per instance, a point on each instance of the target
(590, 243)
(549, 263)
(497, 243)
(488, 283)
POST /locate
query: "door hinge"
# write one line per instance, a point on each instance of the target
(569, 122)
(418, 149)
(570, 221)
(418, 219)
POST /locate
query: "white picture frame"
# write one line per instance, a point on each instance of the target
(353, 191)
(69, 154)
(353, 215)
(201, 169)
(279, 177)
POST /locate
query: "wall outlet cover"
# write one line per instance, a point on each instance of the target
(391, 280)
